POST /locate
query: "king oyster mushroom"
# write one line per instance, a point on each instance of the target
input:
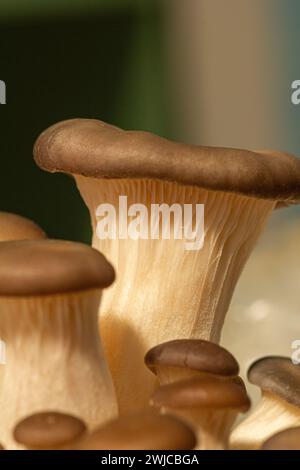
(210, 404)
(186, 358)
(166, 289)
(279, 408)
(49, 300)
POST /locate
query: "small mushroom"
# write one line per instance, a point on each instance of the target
(16, 227)
(185, 358)
(49, 430)
(142, 431)
(165, 290)
(49, 299)
(279, 408)
(209, 404)
(289, 439)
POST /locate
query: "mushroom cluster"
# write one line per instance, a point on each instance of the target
(199, 384)
(279, 408)
(163, 290)
(114, 346)
(50, 292)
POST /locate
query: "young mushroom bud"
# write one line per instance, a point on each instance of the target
(289, 439)
(49, 430)
(186, 358)
(144, 194)
(49, 299)
(142, 431)
(209, 404)
(16, 227)
(279, 408)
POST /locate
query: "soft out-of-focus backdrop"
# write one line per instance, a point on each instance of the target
(204, 71)
(62, 59)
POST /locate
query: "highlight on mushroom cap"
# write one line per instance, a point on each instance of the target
(16, 227)
(208, 392)
(195, 354)
(142, 431)
(48, 429)
(42, 267)
(93, 148)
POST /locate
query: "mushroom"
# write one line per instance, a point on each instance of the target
(186, 358)
(141, 431)
(289, 439)
(49, 430)
(279, 408)
(166, 288)
(49, 298)
(16, 227)
(210, 404)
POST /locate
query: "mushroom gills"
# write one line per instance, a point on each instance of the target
(164, 291)
(211, 427)
(273, 414)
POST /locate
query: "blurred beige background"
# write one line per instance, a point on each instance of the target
(230, 87)
(265, 311)
(225, 63)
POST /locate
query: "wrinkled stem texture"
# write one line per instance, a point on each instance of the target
(54, 360)
(271, 415)
(164, 291)
(212, 427)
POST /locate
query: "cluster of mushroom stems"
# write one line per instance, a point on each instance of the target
(115, 345)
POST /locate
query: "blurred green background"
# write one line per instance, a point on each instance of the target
(185, 70)
(61, 59)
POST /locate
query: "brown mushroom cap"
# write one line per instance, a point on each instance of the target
(143, 431)
(48, 429)
(289, 439)
(211, 392)
(92, 148)
(277, 375)
(16, 227)
(51, 267)
(195, 354)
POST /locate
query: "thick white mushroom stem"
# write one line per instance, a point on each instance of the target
(212, 427)
(272, 414)
(54, 360)
(164, 291)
